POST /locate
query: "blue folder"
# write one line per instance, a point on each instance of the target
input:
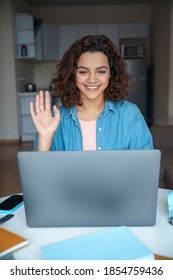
(117, 243)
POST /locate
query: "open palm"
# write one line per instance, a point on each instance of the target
(45, 123)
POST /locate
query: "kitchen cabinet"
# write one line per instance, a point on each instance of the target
(27, 128)
(47, 43)
(24, 35)
(109, 30)
(53, 40)
(133, 30)
(67, 35)
(86, 29)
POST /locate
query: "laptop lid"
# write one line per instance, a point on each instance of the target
(91, 188)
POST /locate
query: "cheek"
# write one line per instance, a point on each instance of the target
(79, 79)
(106, 80)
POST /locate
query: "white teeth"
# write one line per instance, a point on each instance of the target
(92, 87)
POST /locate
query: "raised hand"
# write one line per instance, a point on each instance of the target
(45, 123)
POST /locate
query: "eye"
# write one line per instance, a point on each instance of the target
(82, 72)
(102, 71)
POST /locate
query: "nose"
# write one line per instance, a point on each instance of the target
(92, 77)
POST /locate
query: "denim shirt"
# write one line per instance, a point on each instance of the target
(120, 126)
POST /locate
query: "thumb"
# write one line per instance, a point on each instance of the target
(56, 111)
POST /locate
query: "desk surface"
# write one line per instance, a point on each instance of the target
(158, 238)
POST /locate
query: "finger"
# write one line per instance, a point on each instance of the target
(47, 101)
(37, 104)
(41, 95)
(32, 110)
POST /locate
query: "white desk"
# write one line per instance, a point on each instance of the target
(158, 238)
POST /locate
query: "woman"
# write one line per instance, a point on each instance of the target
(91, 82)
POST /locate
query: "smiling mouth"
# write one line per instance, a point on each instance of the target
(92, 87)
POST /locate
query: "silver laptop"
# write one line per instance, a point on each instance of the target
(91, 188)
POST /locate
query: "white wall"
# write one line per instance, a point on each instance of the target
(8, 100)
(9, 70)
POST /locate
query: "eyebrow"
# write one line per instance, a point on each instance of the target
(100, 67)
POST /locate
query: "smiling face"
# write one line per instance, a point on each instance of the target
(92, 75)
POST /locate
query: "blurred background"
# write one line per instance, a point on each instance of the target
(32, 44)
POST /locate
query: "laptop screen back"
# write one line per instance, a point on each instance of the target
(105, 188)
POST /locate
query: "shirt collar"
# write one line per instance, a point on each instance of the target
(109, 105)
(71, 112)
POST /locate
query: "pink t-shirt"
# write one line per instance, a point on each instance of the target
(88, 129)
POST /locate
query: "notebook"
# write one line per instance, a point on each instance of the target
(10, 241)
(117, 243)
(91, 188)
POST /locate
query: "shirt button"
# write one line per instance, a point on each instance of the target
(99, 148)
(100, 129)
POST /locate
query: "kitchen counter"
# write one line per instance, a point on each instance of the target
(33, 93)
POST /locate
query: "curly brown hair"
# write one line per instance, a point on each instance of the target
(65, 79)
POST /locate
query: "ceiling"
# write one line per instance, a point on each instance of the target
(44, 3)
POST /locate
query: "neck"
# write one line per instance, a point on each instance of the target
(90, 110)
